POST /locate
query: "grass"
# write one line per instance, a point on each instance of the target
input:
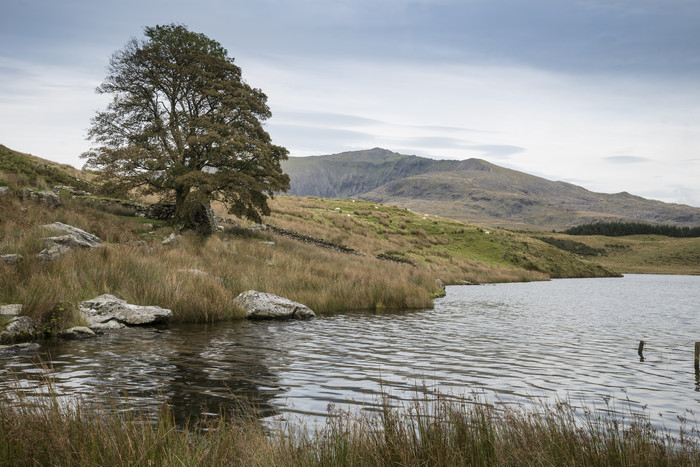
(642, 254)
(135, 267)
(149, 273)
(431, 430)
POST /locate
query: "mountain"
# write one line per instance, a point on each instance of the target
(471, 190)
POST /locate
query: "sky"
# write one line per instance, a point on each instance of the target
(604, 94)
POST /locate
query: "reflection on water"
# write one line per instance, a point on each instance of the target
(568, 338)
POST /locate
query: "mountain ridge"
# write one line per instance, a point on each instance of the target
(472, 190)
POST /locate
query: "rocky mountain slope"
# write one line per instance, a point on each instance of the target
(471, 190)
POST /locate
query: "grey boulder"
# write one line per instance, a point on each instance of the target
(99, 313)
(260, 305)
(73, 238)
(19, 329)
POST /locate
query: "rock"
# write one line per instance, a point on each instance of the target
(100, 310)
(441, 292)
(48, 197)
(90, 240)
(260, 305)
(10, 310)
(71, 190)
(73, 239)
(77, 333)
(18, 347)
(111, 325)
(170, 239)
(19, 329)
(5, 191)
(11, 258)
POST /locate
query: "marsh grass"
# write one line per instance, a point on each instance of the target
(429, 430)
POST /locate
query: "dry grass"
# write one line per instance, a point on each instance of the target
(228, 263)
(427, 431)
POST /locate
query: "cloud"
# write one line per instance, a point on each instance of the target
(626, 159)
(497, 151)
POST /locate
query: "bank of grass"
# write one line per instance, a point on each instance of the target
(429, 431)
(197, 278)
(430, 241)
(641, 254)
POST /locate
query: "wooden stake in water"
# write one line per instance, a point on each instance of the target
(697, 357)
(640, 351)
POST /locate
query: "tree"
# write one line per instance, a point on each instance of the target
(182, 124)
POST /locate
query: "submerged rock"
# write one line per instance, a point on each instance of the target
(76, 333)
(100, 311)
(260, 305)
(19, 329)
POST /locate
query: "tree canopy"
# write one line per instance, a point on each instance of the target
(184, 125)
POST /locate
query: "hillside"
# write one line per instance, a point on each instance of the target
(472, 190)
(399, 255)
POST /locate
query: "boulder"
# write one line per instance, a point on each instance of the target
(170, 239)
(5, 190)
(11, 310)
(11, 258)
(19, 329)
(77, 333)
(72, 239)
(99, 311)
(260, 305)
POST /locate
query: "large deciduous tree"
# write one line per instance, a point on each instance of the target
(184, 125)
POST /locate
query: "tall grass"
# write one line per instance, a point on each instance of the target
(429, 430)
(198, 278)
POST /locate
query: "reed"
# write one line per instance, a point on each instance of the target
(428, 430)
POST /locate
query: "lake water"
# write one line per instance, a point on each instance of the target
(572, 338)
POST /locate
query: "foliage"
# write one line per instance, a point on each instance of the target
(183, 124)
(621, 229)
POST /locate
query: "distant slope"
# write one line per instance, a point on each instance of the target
(471, 190)
(29, 169)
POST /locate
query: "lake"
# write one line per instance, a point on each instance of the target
(569, 338)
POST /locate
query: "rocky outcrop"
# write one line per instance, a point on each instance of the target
(73, 239)
(73, 191)
(11, 258)
(5, 191)
(47, 197)
(110, 312)
(19, 329)
(260, 305)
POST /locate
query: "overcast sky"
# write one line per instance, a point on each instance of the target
(601, 93)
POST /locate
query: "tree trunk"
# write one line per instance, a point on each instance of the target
(181, 209)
